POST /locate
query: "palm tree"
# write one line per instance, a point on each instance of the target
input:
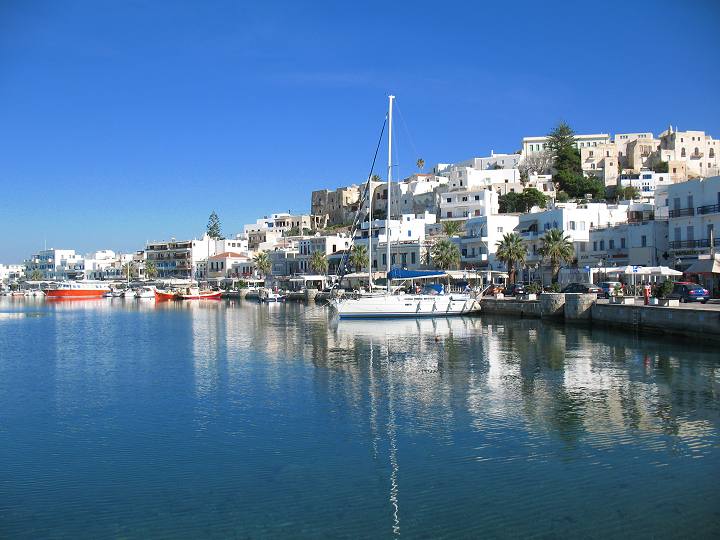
(35, 275)
(150, 269)
(511, 251)
(262, 263)
(558, 248)
(420, 164)
(445, 254)
(452, 228)
(319, 262)
(358, 257)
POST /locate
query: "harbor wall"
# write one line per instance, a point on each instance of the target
(688, 322)
(697, 323)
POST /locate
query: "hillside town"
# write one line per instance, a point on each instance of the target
(632, 199)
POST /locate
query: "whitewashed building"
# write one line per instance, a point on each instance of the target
(478, 245)
(693, 210)
(537, 145)
(642, 243)
(464, 204)
(56, 264)
(10, 273)
(646, 182)
(178, 259)
(575, 220)
(328, 245)
(696, 151)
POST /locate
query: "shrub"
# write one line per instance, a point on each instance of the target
(665, 288)
(534, 288)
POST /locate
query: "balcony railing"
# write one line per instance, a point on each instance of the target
(696, 155)
(708, 209)
(684, 244)
(682, 212)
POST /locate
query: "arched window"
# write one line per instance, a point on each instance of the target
(682, 152)
(697, 151)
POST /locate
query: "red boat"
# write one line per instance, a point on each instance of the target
(165, 295)
(77, 289)
(193, 293)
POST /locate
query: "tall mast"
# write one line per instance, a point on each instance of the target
(370, 240)
(389, 185)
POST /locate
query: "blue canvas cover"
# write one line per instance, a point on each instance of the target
(399, 273)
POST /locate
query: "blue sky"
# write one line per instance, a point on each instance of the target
(122, 122)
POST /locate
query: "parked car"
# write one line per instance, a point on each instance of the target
(689, 292)
(582, 288)
(608, 288)
(514, 289)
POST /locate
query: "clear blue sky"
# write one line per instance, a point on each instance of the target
(128, 121)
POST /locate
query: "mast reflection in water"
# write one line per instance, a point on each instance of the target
(127, 418)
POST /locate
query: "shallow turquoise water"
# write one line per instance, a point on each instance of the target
(234, 420)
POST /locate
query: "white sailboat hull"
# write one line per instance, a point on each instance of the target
(410, 305)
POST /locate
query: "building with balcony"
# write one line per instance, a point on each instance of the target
(178, 259)
(538, 145)
(693, 210)
(328, 245)
(575, 220)
(56, 264)
(461, 205)
(479, 244)
(11, 273)
(228, 264)
(642, 243)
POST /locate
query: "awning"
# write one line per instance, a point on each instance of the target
(704, 266)
(399, 273)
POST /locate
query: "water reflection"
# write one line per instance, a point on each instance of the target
(280, 414)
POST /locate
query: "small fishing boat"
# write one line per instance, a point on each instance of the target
(194, 293)
(161, 296)
(270, 295)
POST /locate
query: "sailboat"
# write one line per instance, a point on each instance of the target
(430, 303)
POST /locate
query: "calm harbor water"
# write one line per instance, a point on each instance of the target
(233, 420)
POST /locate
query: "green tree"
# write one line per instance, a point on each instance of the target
(150, 269)
(511, 251)
(562, 197)
(358, 257)
(292, 231)
(262, 263)
(557, 248)
(661, 167)
(319, 262)
(35, 275)
(420, 164)
(628, 193)
(509, 202)
(445, 254)
(521, 202)
(213, 226)
(568, 167)
(452, 228)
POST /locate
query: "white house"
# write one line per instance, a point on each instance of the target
(642, 243)
(56, 264)
(327, 245)
(575, 220)
(464, 204)
(10, 273)
(536, 145)
(646, 182)
(693, 210)
(478, 246)
(179, 259)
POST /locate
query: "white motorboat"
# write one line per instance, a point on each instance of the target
(269, 295)
(431, 303)
(145, 292)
